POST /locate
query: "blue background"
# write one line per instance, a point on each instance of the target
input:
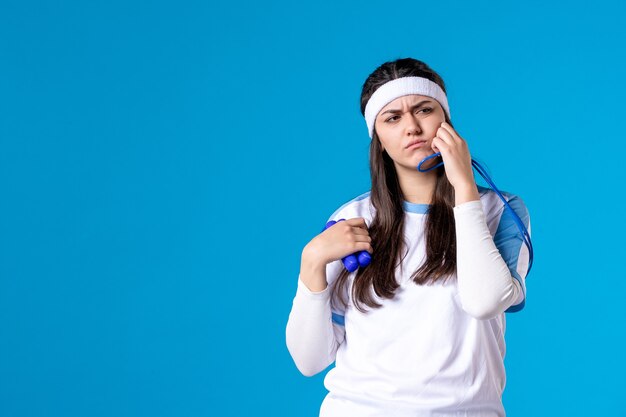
(162, 165)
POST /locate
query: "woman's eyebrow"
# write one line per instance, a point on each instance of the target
(412, 107)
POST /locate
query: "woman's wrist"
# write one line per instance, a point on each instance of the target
(466, 192)
(313, 274)
(310, 261)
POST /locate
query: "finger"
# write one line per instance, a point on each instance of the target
(362, 238)
(445, 135)
(360, 231)
(358, 222)
(433, 145)
(451, 130)
(440, 144)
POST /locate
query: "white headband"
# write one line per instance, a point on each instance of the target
(402, 86)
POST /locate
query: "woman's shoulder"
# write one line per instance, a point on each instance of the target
(493, 204)
(359, 206)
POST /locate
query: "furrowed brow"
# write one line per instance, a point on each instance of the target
(412, 107)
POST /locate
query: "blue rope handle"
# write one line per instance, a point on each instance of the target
(518, 221)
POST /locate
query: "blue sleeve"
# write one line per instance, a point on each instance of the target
(510, 242)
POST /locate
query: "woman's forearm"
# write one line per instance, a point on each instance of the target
(310, 334)
(486, 287)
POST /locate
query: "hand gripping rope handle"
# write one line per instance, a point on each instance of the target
(352, 262)
(518, 221)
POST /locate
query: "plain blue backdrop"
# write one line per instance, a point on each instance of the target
(162, 165)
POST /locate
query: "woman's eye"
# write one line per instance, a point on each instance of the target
(425, 108)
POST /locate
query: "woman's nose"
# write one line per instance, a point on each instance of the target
(413, 124)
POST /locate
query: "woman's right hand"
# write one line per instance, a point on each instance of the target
(338, 241)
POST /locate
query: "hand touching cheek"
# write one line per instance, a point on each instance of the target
(456, 156)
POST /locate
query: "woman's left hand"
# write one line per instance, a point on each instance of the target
(456, 156)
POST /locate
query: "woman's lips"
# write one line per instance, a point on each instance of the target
(416, 145)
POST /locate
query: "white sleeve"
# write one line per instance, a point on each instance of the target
(485, 283)
(312, 335)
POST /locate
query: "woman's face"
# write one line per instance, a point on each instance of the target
(404, 120)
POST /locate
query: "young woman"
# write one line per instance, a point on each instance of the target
(447, 261)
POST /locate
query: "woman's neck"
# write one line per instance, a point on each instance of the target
(417, 187)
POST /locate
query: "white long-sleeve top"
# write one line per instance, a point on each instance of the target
(432, 349)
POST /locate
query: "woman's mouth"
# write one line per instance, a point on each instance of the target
(416, 144)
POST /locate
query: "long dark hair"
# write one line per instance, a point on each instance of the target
(386, 228)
